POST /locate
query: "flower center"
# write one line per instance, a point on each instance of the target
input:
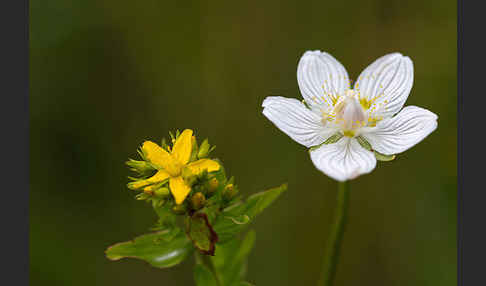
(174, 169)
(347, 114)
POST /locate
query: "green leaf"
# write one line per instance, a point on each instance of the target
(230, 259)
(163, 212)
(203, 276)
(244, 283)
(167, 219)
(246, 246)
(155, 248)
(258, 202)
(201, 233)
(229, 222)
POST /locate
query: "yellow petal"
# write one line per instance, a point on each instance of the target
(158, 177)
(159, 157)
(183, 147)
(203, 164)
(179, 189)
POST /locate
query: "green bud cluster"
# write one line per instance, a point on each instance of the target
(206, 188)
(141, 167)
(210, 192)
(230, 190)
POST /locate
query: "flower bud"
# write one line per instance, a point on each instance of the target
(198, 200)
(148, 191)
(142, 196)
(152, 188)
(162, 192)
(141, 167)
(135, 185)
(229, 192)
(213, 185)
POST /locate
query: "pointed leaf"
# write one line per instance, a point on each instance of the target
(230, 259)
(230, 220)
(203, 276)
(153, 248)
(246, 246)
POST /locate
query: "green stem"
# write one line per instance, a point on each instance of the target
(209, 263)
(331, 256)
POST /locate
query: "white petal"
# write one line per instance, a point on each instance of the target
(318, 75)
(401, 132)
(389, 78)
(343, 160)
(297, 121)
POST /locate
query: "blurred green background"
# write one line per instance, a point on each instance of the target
(106, 75)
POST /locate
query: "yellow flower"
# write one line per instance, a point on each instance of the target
(171, 164)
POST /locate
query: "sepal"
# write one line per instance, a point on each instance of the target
(383, 157)
(201, 233)
(364, 143)
(141, 167)
(332, 139)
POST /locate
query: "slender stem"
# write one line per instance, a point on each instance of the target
(331, 256)
(206, 260)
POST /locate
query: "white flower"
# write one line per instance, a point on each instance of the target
(350, 128)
